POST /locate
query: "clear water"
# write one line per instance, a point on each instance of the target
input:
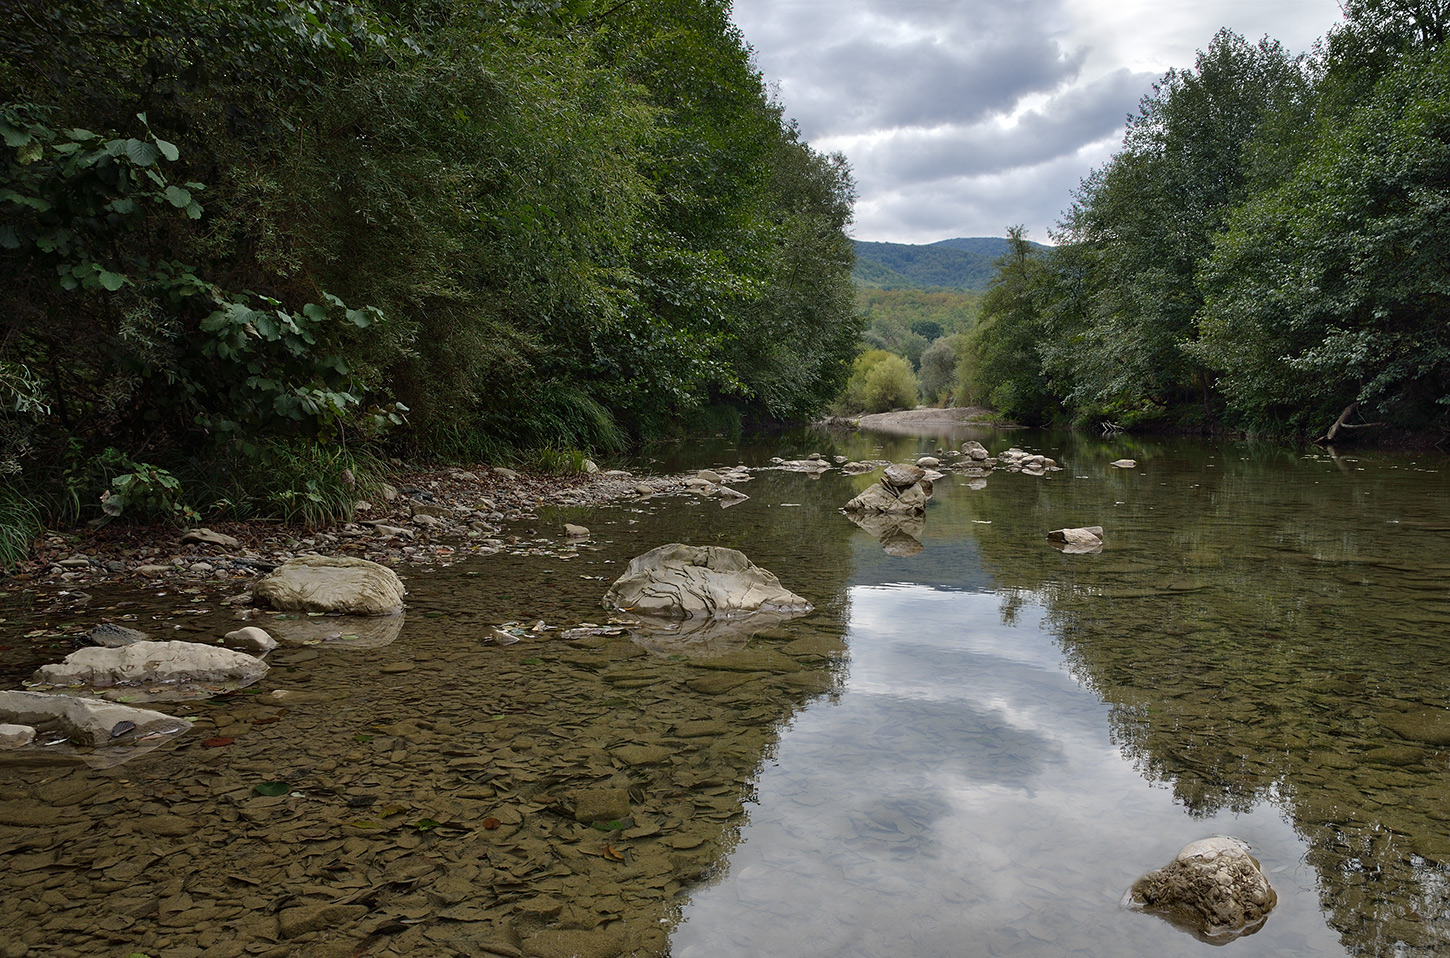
(973, 749)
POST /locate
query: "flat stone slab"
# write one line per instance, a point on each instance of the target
(92, 722)
(181, 666)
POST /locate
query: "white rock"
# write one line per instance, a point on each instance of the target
(88, 721)
(928, 462)
(575, 532)
(678, 581)
(205, 536)
(151, 663)
(1213, 886)
(15, 736)
(1124, 464)
(332, 584)
(250, 639)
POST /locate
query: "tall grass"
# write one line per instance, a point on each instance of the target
(20, 526)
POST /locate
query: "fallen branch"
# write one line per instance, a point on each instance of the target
(1343, 423)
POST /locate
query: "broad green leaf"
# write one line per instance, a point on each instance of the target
(359, 318)
(111, 281)
(273, 789)
(178, 197)
(141, 152)
(168, 150)
(314, 312)
(29, 153)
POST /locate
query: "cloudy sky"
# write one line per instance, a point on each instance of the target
(962, 117)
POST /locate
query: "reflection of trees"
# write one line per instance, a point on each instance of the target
(1253, 633)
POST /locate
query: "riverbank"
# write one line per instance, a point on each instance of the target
(420, 517)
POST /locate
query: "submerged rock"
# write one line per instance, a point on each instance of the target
(344, 631)
(1082, 536)
(1124, 464)
(153, 663)
(678, 581)
(15, 736)
(90, 722)
(899, 535)
(332, 584)
(1213, 888)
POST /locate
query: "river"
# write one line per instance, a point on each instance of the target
(973, 746)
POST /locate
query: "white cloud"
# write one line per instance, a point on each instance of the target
(962, 117)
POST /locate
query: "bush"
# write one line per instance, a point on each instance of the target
(891, 385)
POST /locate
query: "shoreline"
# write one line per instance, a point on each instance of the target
(423, 517)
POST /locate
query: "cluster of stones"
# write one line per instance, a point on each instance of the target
(405, 523)
(720, 484)
(75, 702)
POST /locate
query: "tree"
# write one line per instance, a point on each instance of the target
(1334, 288)
(1148, 218)
(1004, 367)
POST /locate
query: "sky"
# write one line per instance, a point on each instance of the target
(964, 117)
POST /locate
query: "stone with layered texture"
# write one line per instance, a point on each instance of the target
(678, 581)
(86, 721)
(1213, 888)
(153, 663)
(338, 584)
(891, 500)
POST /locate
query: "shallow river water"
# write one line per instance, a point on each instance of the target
(973, 746)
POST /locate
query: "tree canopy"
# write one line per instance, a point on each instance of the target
(1266, 249)
(234, 230)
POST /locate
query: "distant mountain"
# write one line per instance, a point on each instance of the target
(963, 263)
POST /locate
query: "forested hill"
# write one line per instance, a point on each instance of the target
(964, 263)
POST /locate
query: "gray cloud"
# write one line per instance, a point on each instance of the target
(961, 117)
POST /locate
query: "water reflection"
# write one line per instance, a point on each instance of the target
(961, 797)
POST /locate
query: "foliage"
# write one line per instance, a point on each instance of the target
(880, 382)
(1003, 365)
(467, 227)
(939, 369)
(1335, 287)
(963, 264)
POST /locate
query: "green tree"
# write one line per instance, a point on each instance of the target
(1335, 287)
(1003, 366)
(1148, 217)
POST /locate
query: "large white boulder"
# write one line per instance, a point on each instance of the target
(678, 581)
(332, 584)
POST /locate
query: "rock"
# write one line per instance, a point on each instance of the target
(15, 736)
(1124, 463)
(153, 663)
(463, 475)
(332, 584)
(727, 493)
(575, 532)
(590, 467)
(1086, 535)
(928, 462)
(679, 581)
(250, 639)
(302, 919)
(1213, 888)
(342, 631)
(506, 473)
(112, 636)
(883, 498)
(1427, 726)
(87, 721)
(152, 570)
(205, 536)
(389, 492)
(813, 465)
(1083, 541)
(898, 476)
(975, 450)
(710, 476)
(565, 943)
(418, 509)
(600, 805)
